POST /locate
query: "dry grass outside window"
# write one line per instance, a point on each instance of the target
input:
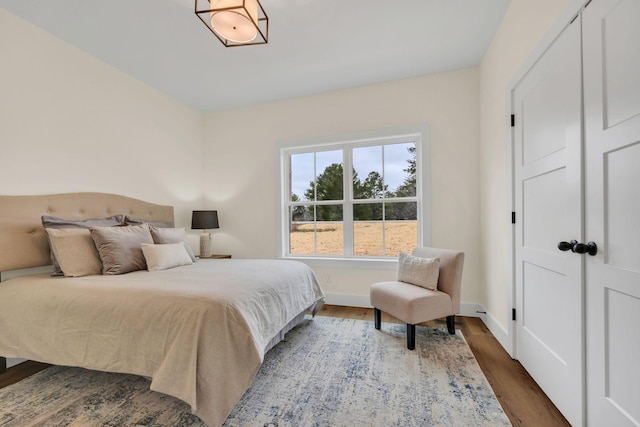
(399, 236)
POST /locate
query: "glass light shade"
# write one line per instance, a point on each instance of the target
(239, 25)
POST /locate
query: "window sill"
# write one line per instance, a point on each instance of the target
(363, 263)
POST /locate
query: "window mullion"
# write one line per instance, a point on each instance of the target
(315, 205)
(286, 225)
(384, 196)
(347, 210)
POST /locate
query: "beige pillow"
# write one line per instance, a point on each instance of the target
(55, 222)
(172, 235)
(75, 251)
(164, 256)
(418, 271)
(120, 247)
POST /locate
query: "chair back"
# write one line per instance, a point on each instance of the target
(450, 278)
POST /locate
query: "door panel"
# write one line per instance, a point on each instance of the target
(546, 125)
(622, 372)
(539, 284)
(542, 224)
(621, 229)
(548, 203)
(621, 63)
(612, 148)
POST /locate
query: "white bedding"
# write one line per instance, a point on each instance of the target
(199, 331)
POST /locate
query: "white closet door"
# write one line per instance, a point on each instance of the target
(548, 199)
(612, 144)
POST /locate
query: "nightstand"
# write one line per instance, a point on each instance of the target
(216, 256)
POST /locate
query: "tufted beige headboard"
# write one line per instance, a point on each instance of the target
(23, 241)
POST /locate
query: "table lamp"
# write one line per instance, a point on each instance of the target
(205, 220)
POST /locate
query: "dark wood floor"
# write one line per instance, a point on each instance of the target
(522, 400)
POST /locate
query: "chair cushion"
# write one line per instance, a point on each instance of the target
(409, 303)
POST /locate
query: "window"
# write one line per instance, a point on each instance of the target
(358, 198)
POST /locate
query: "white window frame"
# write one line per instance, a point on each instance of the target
(418, 134)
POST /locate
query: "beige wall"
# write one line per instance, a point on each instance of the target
(523, 26)
(242, 179)
(69, 122)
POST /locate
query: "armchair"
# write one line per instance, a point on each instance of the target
(413, 304)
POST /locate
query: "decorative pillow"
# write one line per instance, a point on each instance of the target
(418, 271)
(164, 256)
(75, 251)
(172, 235)
(120, 247)
(58, 223)
(159, 224)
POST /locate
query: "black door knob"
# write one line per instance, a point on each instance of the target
(579, 248)
(565, 246)
(590, 248)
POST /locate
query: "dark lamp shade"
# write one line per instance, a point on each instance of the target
(204, 220)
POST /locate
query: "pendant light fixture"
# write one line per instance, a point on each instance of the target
(235, 22)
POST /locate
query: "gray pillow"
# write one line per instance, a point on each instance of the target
(120, 248)
(135, 221)
(172, 235)
(58, 223)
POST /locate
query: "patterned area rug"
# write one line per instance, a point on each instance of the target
(328, 372)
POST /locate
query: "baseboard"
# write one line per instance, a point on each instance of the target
(348, 300)
(471, 309)
(500, 333)
(466, 309)
(477, 310)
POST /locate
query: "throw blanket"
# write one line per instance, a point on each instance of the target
(198, 331)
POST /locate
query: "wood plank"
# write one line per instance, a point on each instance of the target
(20, 372)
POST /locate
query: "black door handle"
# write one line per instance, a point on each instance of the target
(565, 246)
(590, 248)
(579, 248)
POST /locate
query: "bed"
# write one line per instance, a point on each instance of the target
(199, 331)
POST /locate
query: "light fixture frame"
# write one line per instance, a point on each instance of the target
(262, 25)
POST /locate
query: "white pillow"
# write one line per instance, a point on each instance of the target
(172, 235)
(418, 271)
(164, 256)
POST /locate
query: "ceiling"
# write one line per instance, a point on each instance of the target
(314, 45)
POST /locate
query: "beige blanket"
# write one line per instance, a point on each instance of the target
(198, 331)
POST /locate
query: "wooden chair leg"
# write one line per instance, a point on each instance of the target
(376, 318)
(451, 324)
(411, 336)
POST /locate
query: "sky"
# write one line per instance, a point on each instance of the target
(365, 160)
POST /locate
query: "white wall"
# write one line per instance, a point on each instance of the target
(523, 26)
(69, 122)
(241, 171)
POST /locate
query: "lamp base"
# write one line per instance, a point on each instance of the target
(205, 245)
